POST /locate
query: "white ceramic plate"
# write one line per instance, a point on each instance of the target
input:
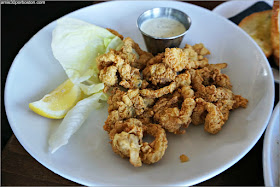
(234, 7)
(88, 158)
(271, 154)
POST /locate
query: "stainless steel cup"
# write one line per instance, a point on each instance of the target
(157, 45)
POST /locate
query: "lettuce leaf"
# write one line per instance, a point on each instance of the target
(76, 44)
(74, 120)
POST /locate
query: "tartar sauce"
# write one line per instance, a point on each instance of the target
(163, 27)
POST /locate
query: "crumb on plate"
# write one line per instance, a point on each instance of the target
(184, 158)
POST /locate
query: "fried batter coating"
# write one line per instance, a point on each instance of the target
(240, 102)
(127, 139)
(196, 60)
(163, 67)
(129, 98)
(108, 75)
(130, 76)
(160, 92)
(214, 119)
(125, 105)
(187, 92)
(165, 98)
(175, 58)
(156, 59)
(166, 102)
(128, 61)
(212, 115)
(201, 49)
(214, 94)
(126, 145)
(219, 79)
(136, 56)
(172, 119)
(115, 33)
(147, 116)
(209, 114)
(226, 101)
(144, 57)
(112, 118)
(199, 112)
(222, 98)
(222, 80)
(188, 58)
(159, 73)
(219, 66)
(145, 84)
(184, 158)
(153, 152)
(181, 80)
(210, 75)
(111, 58)
(170, 116)
(225, 106)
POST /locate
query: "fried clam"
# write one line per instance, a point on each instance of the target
(239, 102)
(199, 113)
(164, 67)
(178, 87)
(154, 151)
(147, 92)
(125, 63)
(222, 97)
(113, 64)
(126, 139)
(214, 115)
(125, 105)
(214, 119)
(147, 116)
(200, 49)
(181, 80)
(136, 56)
(159, 73)
(209, 114)
(170, 115)
(210, 75)
(191, 57)
(214, 94)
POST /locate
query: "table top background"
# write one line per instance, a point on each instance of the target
(19, 24)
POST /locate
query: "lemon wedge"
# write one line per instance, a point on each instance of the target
(56, 104)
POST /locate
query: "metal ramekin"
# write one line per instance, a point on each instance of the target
(157, 45)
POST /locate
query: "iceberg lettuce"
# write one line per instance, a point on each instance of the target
(74, 120)
(76, 44)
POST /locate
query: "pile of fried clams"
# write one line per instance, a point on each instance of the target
(154, 94)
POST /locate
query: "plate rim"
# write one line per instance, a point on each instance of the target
(266, 154)
(77, 180)
(231, 3)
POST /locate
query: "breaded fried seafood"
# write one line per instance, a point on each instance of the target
(166, 93)
(127, 141)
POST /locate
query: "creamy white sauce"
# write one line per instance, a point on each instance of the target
(163, 27)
